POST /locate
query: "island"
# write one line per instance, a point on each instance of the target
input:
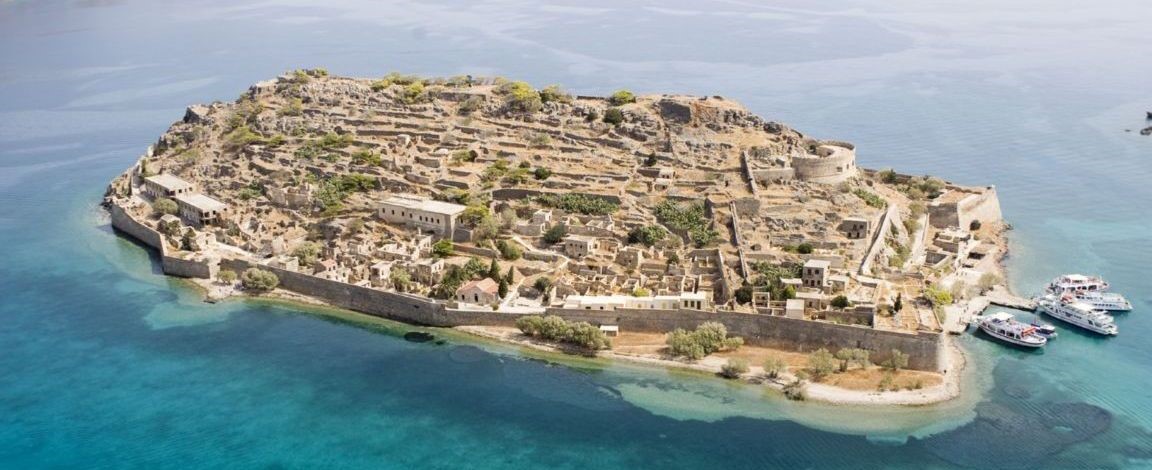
(668, 229)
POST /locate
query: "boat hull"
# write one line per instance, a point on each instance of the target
(1071, 321)
(1010, 340)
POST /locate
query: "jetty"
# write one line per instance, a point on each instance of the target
(1000, 296)
(958, 319)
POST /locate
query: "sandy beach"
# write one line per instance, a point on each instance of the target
(947, 389)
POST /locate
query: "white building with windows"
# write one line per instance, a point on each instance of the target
(420, 212)
(685, 300)
(166, 185)
(198, 209)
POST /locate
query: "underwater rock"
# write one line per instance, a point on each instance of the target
(418, 337)
(1003, 436)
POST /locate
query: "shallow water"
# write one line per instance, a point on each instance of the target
(106, 363)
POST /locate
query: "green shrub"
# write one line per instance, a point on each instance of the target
(578, 203)
(896, 360)
(621, 98)
(840, 302)
(734, 368)
(259, 280)
(683, 343)
(613, 116)
(400, 278)
(542, 284)
(520, 97)
(442, 248)
(553, 93)
(647, 235)
(708, 338)
(796, 390)
(164, 206)
(911, 225)
(414, 93)
(470, 105)
(367, 157)
(937, 297)
(307, 253)
(330, 141)
(774, 366)
(508, 251)
(886, 383)
(249, 193)
(529, 324)
(821, 363)
(539, 139)
(226, 276)
(555, 234)
(744, 293)
(295, 107)
(805, 248)
(687, 217)
(242, 136)
(554, 328)
(542, 173)
(651, 160)
(870, 198)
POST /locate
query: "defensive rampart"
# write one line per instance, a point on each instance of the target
(761, 330)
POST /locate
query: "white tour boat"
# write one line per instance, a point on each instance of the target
(1104, 300)
(1066, 308)
(1002, 326)
(1077, 283)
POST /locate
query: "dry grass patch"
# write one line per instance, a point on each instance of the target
(859, 379)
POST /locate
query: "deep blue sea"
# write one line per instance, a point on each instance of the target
(105, 363)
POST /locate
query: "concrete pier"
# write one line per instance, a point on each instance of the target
(958, 317)
(1000, 296)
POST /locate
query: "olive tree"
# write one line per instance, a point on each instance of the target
(821, 363)
(259, 280)
(774, 366)
(896, 361)
(400, 278)
(307, 253)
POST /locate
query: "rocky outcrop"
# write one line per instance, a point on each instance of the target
(674, 111)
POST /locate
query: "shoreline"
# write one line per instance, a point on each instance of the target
(953, 357)
(949, 389)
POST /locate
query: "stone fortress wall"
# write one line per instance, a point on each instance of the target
(959, 205)
(983, 206)
(923, 348)
(175, 266)
(833, 162)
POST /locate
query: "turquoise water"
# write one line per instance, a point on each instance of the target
(105, 363)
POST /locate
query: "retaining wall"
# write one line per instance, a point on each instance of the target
(760, 330)
(198, 268)
(923, 348)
